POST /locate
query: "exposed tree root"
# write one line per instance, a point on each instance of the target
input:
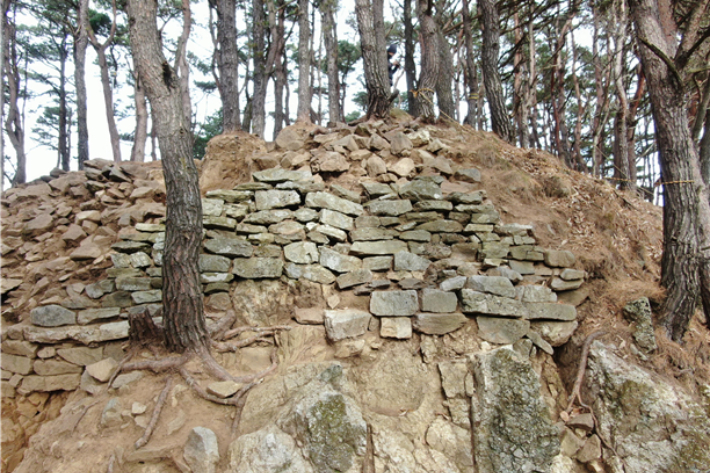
(156, 413)
(84, 410)
(576, 389)
(580, 372)
(219, 333)
(131, 353)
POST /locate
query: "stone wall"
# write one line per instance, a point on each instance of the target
(430, 257)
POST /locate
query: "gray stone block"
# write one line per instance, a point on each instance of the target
(436, 301)
(394, 303)
(349, 323)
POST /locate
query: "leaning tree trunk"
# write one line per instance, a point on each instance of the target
(374, 57)
(491, 77)
(81, 41)
(227, 62)
(430, 61)
(182, 292)
(100, 49)
(685, 265)
(14, 125)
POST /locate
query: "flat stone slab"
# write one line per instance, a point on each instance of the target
(311, 272)
(437, 301)
(267, 217)
(302, 252)
(438, 324)
(258, 268)
(63, 382)
(229, 247)
(559, 284)
(392, 208)
(52, 316)
(87, 316)
(274, 175)
(102, 370)
(309, 316)
(421, 190)
(349, 323)
(223, 389)
(488, 304)
(371, 234)
(399, 328)
(394, 303)
(405, 261)
(276, 199)
(550, 311)
(339, 262)
(555, 333)
(324, 200)
(442, 226)
(496, 285)
(374, 248)
(501, 330)
(336, 219)
(353, 278)
(559, 259)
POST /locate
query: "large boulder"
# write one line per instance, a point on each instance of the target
(513, 427)
(635, 409)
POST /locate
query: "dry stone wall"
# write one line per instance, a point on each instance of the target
(430, 260)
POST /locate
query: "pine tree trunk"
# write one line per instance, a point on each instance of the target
(410, 71)
(430, 61)
(500, 123)
(182, 68)
(258, 101)
(182, 292)
(685, 265)
(443, 87)
(227, 64)
(331, 52)
(13, 121)
(303, 113)
(374, 56)
(140, 135)
(63, 131)
(276, 53)
(470, 71)
(81, 41)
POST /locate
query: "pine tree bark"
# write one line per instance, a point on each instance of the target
(258, 101)
(182, 68)
(410, 71)
(81, 40)
(63, 149)
(470, 70)
(182, 292)
(227, 63)
(491, 77)
(685, 265)
(303, 113)
(140, 136)
(14, 125)
(331, 52)
(374, 56)
(275, 63)
(430, 61)
(100, 49)
(444, 96)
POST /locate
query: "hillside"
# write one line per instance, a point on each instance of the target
(508, 260)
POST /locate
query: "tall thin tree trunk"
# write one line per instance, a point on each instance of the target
(258, 101)
(331, 52)
(63, 144)
(182, 291)
(470, 69)
(227, 63)
(14, 124)
(491, 75)
(81, 40)
(100, 49)
(374, 56)
(444, 96)
(622, 172)
(182, 67)
(277, 20)
(409, 66)
(141, 133)
(303, 113)
(430, 60)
